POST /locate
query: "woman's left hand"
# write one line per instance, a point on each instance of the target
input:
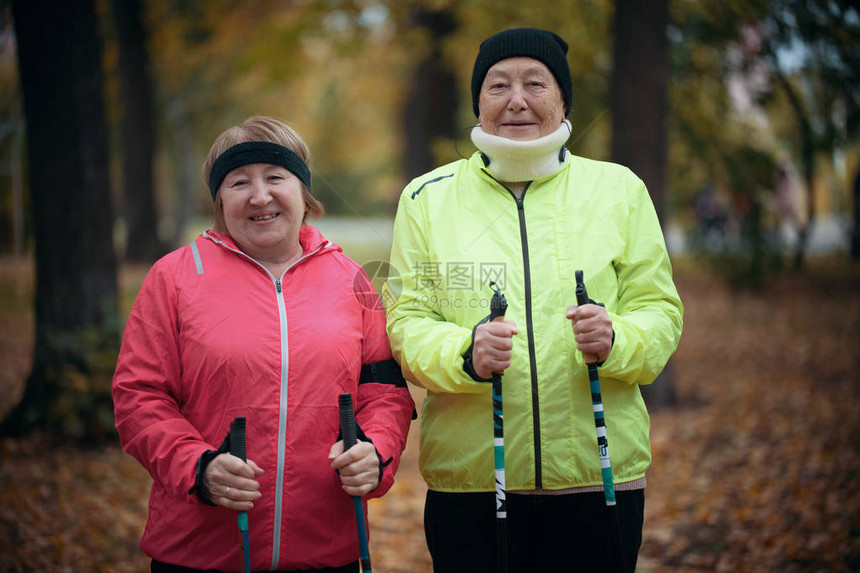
(358, 467)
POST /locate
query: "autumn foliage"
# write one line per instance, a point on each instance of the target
(755, 471)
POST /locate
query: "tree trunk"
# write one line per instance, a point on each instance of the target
(639, 113)
(138, 134)
(638, 94)
(16, 168)
(59, 59)
(432, 103)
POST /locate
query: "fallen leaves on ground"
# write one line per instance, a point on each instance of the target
(755, 470)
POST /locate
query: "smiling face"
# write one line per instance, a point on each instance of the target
(263, 208)
(520, 99)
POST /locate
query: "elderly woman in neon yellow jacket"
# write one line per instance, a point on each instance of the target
(526, 213)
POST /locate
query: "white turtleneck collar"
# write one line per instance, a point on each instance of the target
(513, 161)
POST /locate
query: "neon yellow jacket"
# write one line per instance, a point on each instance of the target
(456, 229)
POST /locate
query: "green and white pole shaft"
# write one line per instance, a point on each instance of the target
(602, 441)
(498, 307)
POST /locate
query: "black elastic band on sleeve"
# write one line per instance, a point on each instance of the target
(382, 372)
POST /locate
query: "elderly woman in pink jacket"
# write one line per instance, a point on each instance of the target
(260, 317)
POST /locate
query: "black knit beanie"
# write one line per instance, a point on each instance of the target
(541, 45)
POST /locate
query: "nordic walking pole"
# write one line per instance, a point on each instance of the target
(498, 307)
(602, 443)
(237, 448)
(347, 429)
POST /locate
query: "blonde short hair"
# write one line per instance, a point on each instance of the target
(259, 128)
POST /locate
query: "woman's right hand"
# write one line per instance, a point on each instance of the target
(232, 483)
(491, 351)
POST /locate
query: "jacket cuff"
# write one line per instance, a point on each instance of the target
(611, 346)
(364, 438)
(198, 488)
(360, 435)
(382, 466)
(202, 463)
(468, 367)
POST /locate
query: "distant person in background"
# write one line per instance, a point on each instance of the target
(526, 213)
(260, 317)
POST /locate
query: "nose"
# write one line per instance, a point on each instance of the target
(517, 101)
(259, 192)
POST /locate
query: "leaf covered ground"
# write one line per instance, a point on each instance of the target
(755, 470)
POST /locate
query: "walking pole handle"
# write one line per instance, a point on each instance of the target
(581, 293)
(583, 298)
(347, 420)
(237, 438)
(237, 448)
(498, 304)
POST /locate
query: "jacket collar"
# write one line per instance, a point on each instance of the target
(309, 236)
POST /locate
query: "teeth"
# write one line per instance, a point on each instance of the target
(264, 217)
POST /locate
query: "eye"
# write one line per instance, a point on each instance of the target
(238, 183)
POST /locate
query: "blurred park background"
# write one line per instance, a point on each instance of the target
(740, 116)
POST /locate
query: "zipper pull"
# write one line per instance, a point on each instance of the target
(278, 285)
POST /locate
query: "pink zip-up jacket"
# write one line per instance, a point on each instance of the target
(213, 335)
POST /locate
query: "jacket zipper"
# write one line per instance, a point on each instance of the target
(282, 424)
(524, 241)
(282, 408)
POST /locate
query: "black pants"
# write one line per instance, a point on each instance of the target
(159, 567)
(546, 533)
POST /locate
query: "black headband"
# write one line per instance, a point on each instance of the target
(257, 152)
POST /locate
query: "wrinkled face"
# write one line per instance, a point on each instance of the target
(263, 209)
(520, 99)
